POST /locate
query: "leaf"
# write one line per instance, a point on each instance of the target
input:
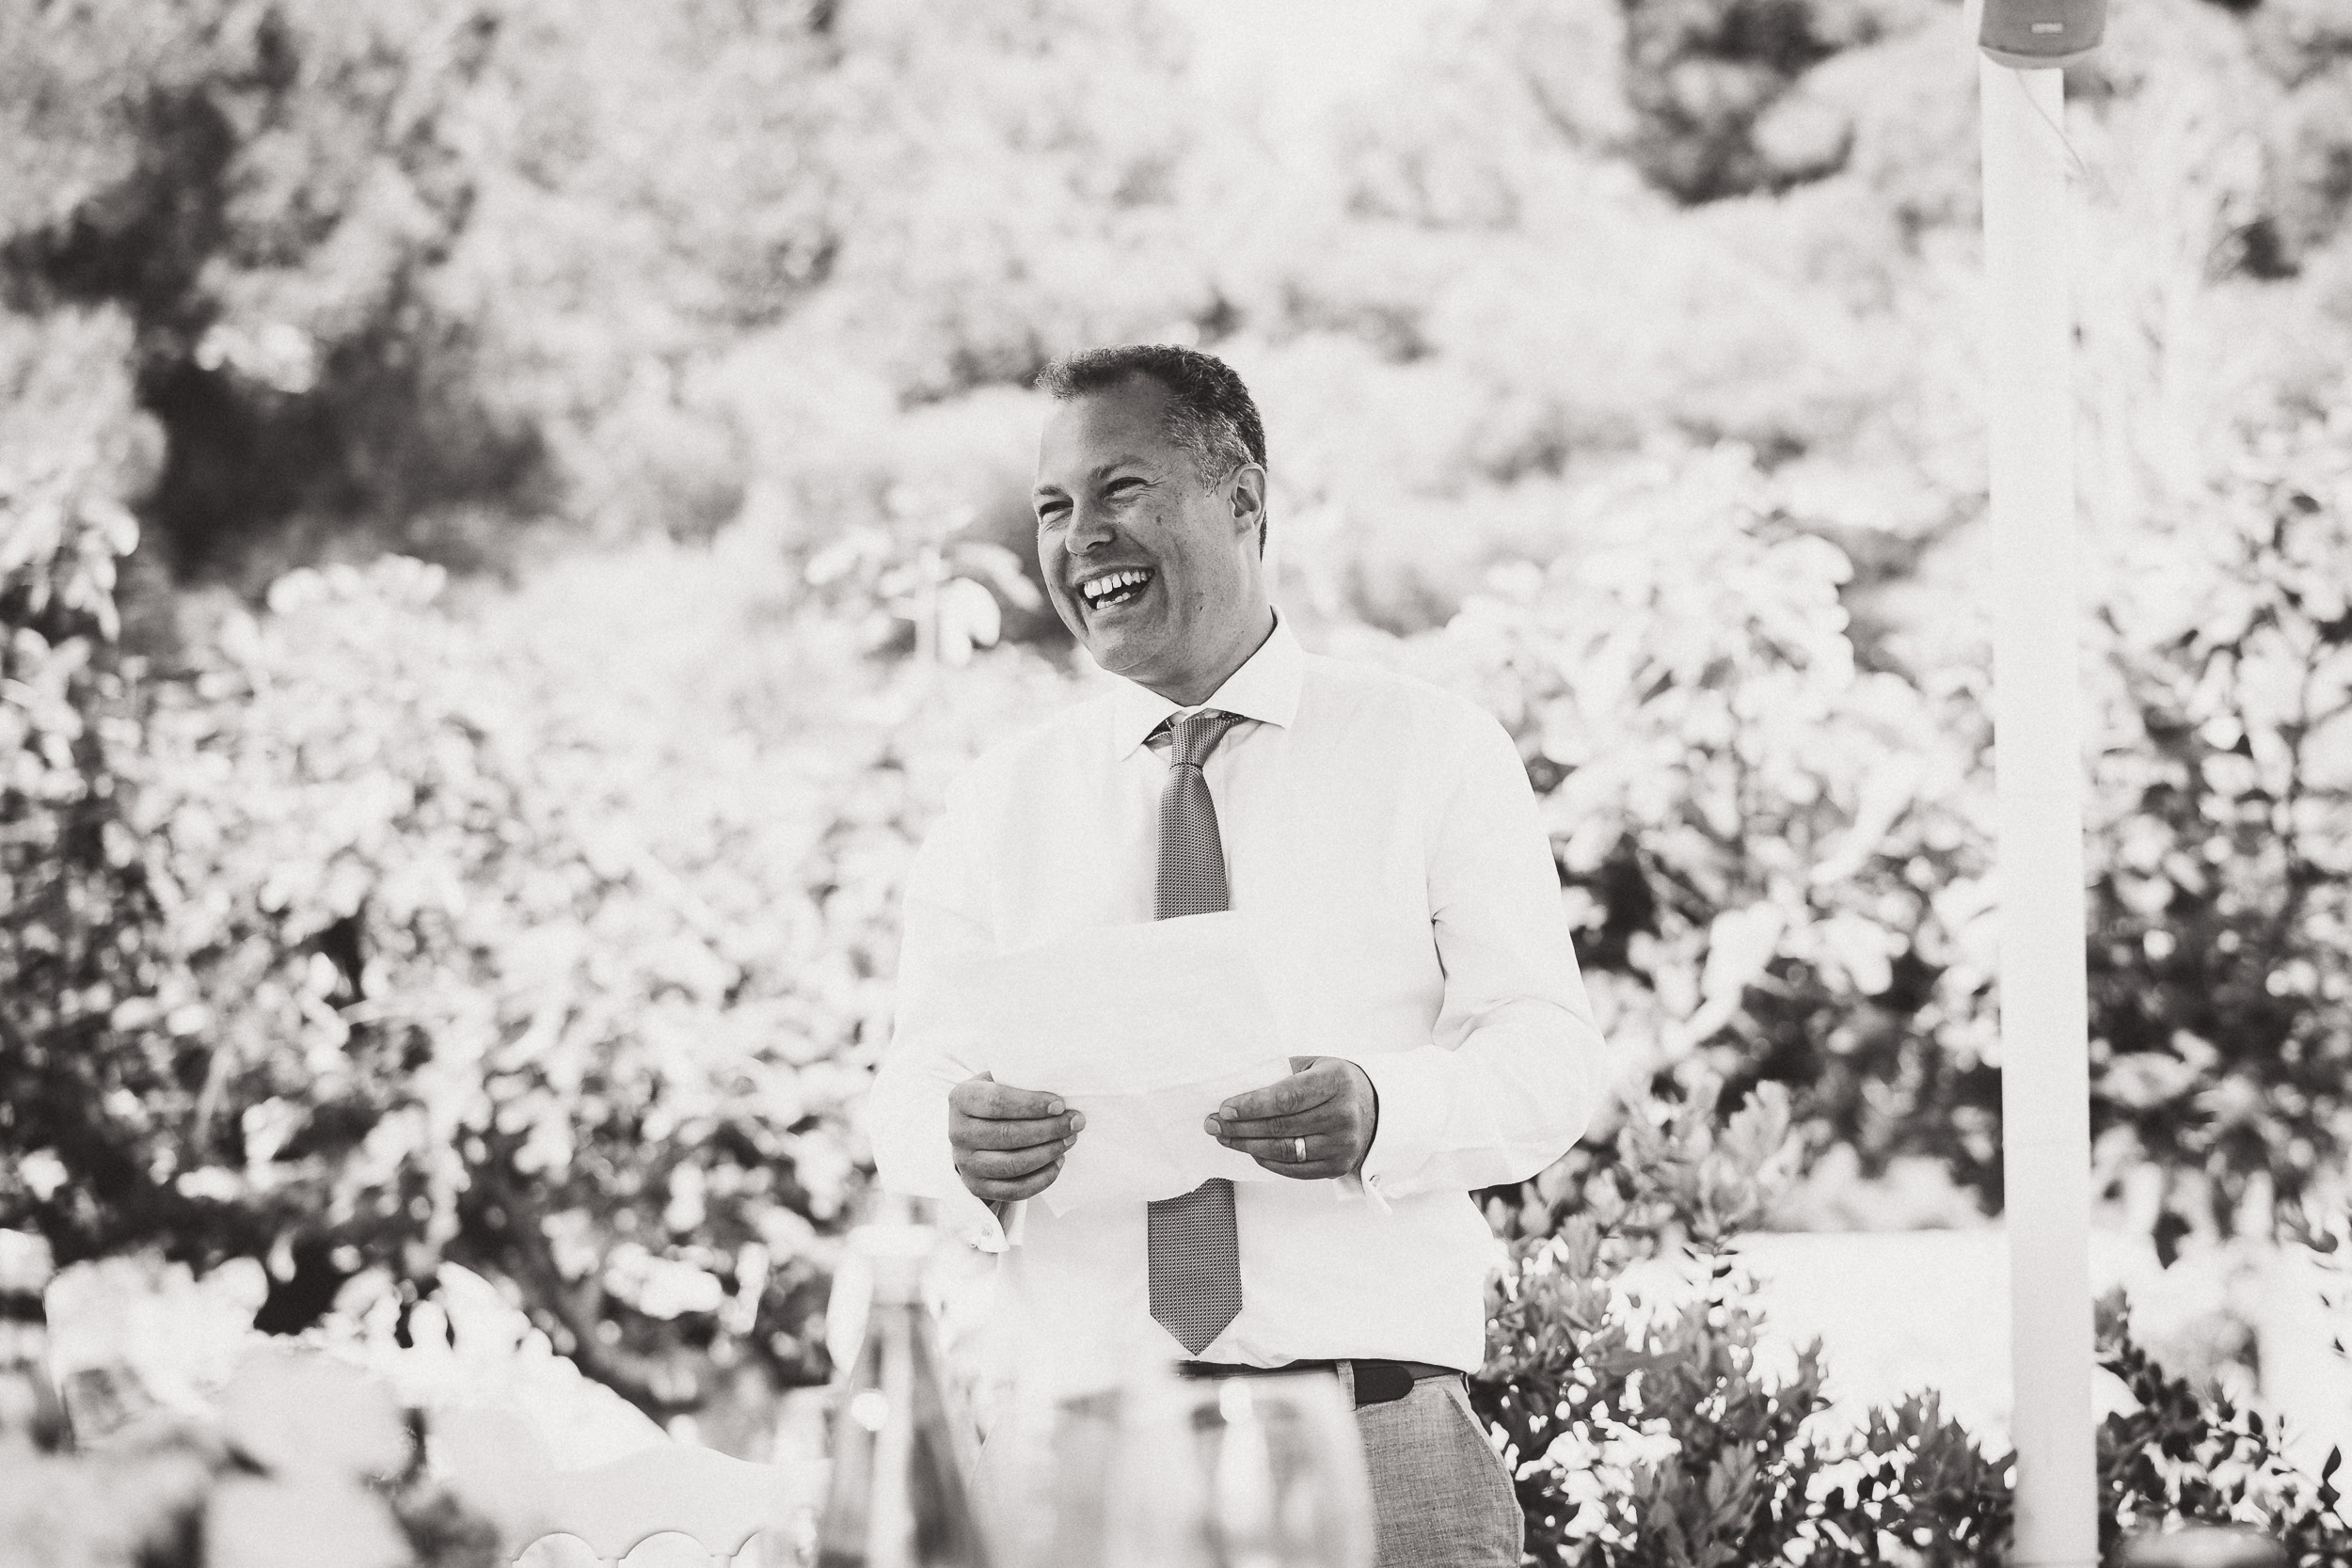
(1740, 942)
(968, 618)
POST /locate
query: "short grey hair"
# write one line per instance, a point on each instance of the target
(1210, 413)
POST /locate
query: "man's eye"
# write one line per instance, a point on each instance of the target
(1048, 516)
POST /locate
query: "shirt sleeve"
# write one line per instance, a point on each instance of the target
(942, 913)
(1514, 1069)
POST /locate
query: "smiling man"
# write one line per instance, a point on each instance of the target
(1379, 838)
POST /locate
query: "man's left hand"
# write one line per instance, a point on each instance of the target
(1315, 1124)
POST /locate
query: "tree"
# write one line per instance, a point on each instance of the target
(266, 194)
(1703, 74)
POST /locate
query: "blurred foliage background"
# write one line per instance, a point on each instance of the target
(511, 513)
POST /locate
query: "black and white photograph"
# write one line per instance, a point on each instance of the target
(1175, 784)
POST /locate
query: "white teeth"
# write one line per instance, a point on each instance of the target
(1103, 587)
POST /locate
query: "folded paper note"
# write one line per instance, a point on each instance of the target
(1144, 1028)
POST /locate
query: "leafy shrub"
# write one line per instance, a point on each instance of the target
(1774, 856)
(2221, 838)
(1656, 1439)
(1649, 1437)
(403, 935)
(76, 914)
(2187, 1455)
(1777, 853)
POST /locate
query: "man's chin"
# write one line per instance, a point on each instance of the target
(1120, 656)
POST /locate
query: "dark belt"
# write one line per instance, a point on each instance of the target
(1376, 1382)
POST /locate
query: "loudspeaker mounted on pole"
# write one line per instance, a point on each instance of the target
(2032, 35)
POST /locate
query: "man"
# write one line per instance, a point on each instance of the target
(1380, 837)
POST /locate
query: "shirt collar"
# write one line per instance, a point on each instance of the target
(1265, 688)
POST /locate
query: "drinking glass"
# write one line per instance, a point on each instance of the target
(1242, 1472)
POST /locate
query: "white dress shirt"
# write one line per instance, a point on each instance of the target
(1382, 842)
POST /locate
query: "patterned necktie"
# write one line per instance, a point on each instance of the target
(1195, 1252)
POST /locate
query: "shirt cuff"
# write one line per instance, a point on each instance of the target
(1412, 1090)
(972, 1221)
(928, 1175)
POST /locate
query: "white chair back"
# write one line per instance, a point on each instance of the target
(658, 1498)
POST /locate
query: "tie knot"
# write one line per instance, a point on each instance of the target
(1194, 737)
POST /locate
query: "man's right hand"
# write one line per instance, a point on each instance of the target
(1008, 1142)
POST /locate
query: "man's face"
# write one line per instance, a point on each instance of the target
(1157, 576)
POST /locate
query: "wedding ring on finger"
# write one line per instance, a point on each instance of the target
(1298, 1151)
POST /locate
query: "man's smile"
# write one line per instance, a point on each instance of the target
(1110, 590)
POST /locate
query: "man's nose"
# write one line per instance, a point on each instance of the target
(1089, 528)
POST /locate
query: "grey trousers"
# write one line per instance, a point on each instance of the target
(1442, 1498)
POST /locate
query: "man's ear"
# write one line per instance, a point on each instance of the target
(1248, 498)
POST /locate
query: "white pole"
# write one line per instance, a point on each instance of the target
(2038, 767)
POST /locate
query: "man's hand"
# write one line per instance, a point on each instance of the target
(1008, 1142)
(1327, 1101)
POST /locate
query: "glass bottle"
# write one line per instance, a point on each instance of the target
(901, 1492)
(30, 1410)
